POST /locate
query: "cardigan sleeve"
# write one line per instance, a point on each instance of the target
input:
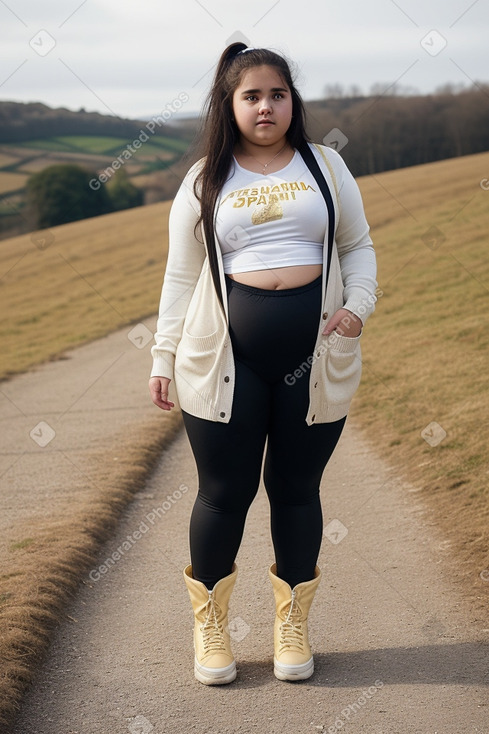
(355, 247)
(186, 255)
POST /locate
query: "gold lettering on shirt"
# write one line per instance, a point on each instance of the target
(265, 200)
(260, 191)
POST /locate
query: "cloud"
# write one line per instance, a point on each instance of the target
(133, 58)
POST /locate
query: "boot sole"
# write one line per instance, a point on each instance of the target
(215, 676)
(293, 672)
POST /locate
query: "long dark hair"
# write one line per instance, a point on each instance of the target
(220, 132)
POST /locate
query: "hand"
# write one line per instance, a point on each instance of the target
(158, 387)
(344, 323)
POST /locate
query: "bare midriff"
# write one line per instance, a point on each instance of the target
(279, 278)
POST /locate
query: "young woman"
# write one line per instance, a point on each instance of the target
(266, 291)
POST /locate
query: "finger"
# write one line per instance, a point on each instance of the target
(330, 326)
(159, 399)
(165, 402)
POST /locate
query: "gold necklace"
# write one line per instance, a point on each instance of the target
(265, 165)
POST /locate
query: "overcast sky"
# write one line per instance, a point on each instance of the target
(134, 59)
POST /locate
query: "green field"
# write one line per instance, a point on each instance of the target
(107, 146)
(18, 161)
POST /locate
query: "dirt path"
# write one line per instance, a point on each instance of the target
(396, 650)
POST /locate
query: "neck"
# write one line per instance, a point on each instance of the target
(262, 152)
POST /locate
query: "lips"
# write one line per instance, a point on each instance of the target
(265, 122)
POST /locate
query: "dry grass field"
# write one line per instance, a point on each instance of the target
(12, 181)
(45, 554)
(6, 159)
(423, 401)
(79, 281)
(426, 348)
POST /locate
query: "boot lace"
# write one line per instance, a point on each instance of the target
(212, 630)
(291, 632)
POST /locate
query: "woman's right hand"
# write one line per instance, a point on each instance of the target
(158, 388)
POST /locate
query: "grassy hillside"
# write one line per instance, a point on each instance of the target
(425, 350)
(79, 281)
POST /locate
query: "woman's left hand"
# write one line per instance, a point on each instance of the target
(345, 323)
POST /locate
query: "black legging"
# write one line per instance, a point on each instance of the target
(273, 332)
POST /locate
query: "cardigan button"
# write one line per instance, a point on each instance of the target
(226, 379)
(222, 415)
(313, 418)
(325, 315)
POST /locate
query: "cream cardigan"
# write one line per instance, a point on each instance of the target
(192, 344)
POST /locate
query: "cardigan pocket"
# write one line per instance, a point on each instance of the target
(343, 367)
(196, 364)
(198, 353)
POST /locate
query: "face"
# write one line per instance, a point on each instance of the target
(262, 106)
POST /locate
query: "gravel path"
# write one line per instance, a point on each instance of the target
(396, 647)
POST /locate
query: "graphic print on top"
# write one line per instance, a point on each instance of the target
(249, 206)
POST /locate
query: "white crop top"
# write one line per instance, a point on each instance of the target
(271, 221)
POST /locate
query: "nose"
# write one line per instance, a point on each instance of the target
(265, 106)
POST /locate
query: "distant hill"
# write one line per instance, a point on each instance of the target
(34, 136)
(26, 121)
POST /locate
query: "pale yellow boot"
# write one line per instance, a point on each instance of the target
(214, 661)
(293, 658)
